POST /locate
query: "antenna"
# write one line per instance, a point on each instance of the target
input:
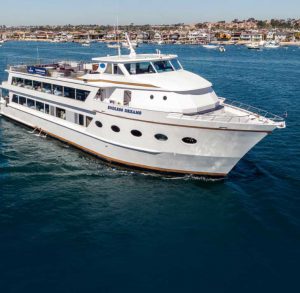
(132, 51)
(37, 55)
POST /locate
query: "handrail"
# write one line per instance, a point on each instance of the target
(253, 110)
(251, 113)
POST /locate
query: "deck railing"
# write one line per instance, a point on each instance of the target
(251, 114)
(259, 113)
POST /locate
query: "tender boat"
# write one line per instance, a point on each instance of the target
(210, 46)
(253, 46)
(144, 111)
(272, 45)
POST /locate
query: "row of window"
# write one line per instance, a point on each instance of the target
(53, 111)
(158, 136)
(48, 88)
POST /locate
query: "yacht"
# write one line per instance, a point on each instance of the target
(272, 45)
(143, 111)
(253, 46)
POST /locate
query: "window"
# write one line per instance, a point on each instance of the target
(189, 140)
(98, 123)
(127, 98)
(88, 120)
(151, 97)
(37, 85)
(22, 101)
(161, 137)
(28, 83)
(30, 103)
(39, 106)
(115, 128)
(61, 113)
(81, 119)
(69, 92)
(136, 133)
(109, 69)
(52, 110)
(47, 88)
(139, 68)
(47, 109)
(176, 64)
(81, 95)
(100, 95)
(163, 66)
(165, 98)
(15, 99)
(117, 70)
(58, 90)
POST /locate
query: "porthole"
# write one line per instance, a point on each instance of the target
(161, 137)
(165, 98)
(98, 123)
(115, 128)
(189, 140)
(151, 97)
(135, 132)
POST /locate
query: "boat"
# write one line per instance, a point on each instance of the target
(222, 49)
(2, 41)
(210, 46)
(143, 111)
(127, 46)
(113, 46)
(253, 46)
(272, 45)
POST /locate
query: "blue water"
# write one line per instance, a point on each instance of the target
(70, 223)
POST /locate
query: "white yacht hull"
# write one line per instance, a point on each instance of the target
(216, 154)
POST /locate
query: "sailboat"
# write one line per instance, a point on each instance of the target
(209, 45)
(115, 45)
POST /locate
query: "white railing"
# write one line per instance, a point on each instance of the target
(259, 113)
(251, 114)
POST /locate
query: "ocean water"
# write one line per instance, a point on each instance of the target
(70, 223)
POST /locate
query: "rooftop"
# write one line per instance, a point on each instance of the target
(134, 58)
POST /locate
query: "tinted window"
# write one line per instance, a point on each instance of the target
(115, 128)
(39, 106)
(15, 99)
(57, 90)
(31, 103)
(69, 92)
(136, 133)
(163, 66)
(22, 101)
(189, 140)
(161, 137)
(81, 95)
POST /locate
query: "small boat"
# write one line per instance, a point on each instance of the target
(253, 46)
(113, 46)
(222, 49)
(126, 45)
(2, 41)
(210, 46)
(272, 45)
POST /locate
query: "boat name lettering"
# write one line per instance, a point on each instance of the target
(130, 111)
(37, 70)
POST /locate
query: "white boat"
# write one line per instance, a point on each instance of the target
(2, 41)
(253, 46)
(126, 45)
(272, 45)
(222, 49)
(210, 46)
(139, 110)
(113, 46)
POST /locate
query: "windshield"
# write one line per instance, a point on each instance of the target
(163, 66)
(140, 68)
